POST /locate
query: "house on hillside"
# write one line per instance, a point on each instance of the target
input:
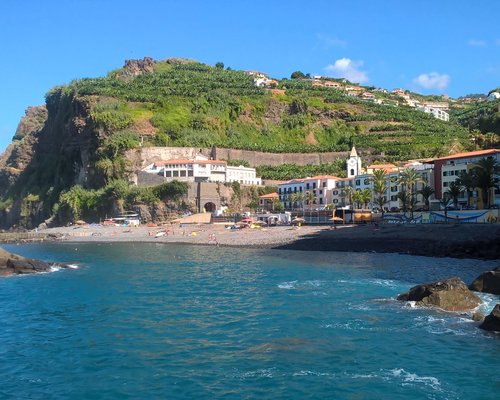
(437, 112)
(268, 201)
(494, 96)
(202, 169)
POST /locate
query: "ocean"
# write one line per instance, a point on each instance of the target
(163, 321)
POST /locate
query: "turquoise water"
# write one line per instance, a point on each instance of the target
(146, 321)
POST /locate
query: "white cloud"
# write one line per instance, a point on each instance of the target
(477, 43)
(330, 41)
(432, 80)
(346, 68)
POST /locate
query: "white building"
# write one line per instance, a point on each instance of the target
(494, 96)
(437, 112)
(201, 169)
(353, 164)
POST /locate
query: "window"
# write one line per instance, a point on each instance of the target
(307, 186)
(394, 198)
(335, 201)
(279, 191)
(445, 173)
(320, 192)
(183, 173)
(190, 173)
(324, 184)
(321, 200)
(352, 171)
(394, 189)
(445, 184)
(358, 182)
(314, 185)
(367, 181)
(335, 192)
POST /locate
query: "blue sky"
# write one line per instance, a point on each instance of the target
(447, 46)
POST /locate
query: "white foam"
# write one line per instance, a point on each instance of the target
(287, 285)
(409, 378)
(73, 266)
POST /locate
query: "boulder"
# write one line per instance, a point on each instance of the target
(449, 294)
(492, 321)
(488, 282)
(12, 264)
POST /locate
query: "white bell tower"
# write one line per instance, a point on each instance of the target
(353, 164)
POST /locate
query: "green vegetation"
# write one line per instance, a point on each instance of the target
(198, 105)
(483, 116)
(77, 202)
(290, 171)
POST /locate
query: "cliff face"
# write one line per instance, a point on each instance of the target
(54, 151)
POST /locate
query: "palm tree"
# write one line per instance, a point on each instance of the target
(426, 192)
(299, 198)
(310, 197)
(486, 171)
(468, 182)
(455, 189)
(404, 200)
(408, 179)
(292, 198)
(349, 194)
(379, 188)
(365, 196)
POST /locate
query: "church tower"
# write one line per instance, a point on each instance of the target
(353, 164)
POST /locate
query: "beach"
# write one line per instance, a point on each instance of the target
(480, 241)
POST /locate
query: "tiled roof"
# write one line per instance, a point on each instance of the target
(269, 196)
(487, 152)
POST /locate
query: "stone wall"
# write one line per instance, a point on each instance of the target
(144, 156)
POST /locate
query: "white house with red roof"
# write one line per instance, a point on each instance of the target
(202, 169)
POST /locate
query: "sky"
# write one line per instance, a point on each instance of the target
(432, 47)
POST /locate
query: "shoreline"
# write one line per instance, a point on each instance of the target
(475, 241)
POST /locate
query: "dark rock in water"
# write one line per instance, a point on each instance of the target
(450, 295)
(12, 264)
(478, 317)
(488, 282)
(492, 321)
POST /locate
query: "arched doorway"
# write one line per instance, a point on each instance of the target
(210, 207)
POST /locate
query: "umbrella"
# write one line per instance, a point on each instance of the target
(336, 219)
(298, 220)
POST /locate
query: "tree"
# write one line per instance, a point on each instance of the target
(310, 198)
(379, 188)
(426, 192)
(297, 75)
(468, 182)
(486, 172)
(365, 196)
(404, 200)
(408, 179)
(349, 195)
(219, 65)
(455, 189)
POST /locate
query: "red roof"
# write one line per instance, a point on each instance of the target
(269, 196)
(487, 152)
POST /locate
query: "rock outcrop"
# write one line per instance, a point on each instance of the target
(450, 295)
(12, 264)
(488, 282)
(492, 321)
(133, 68)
